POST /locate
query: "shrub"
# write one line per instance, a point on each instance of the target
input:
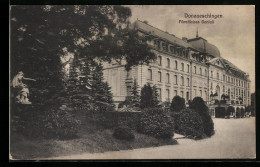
(149, 97)
(220, 112)
(177, 104)
(55, 123)
(238, 113)
(60, 123)
(156, 123)
(124, 133)
(189, 123)
(201, 108)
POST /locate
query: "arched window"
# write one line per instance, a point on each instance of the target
(159, 60)
(159, 76)
(168, 77)
(168, 63)
(175, 79)
(211, 74)
(176, 65)
(195, 69)
(182, 80)
(188, 81)
(182, 66)
(188, 68)
(150, 74)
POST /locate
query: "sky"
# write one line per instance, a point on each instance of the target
(234, 34)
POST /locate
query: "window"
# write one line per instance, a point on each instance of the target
(239, 83)
(228, 79)
(211, 85)
(128, 90)
(187, 96)
(159, 93)
(195, 70)
(168, 63)
(236, 82)
(159, 60)
(159, 76)
(200, 71)
(217, 75)
(164, 46)
(224, 78)
(175, 93)
(176, 65)
(128, 75)
(211, 74)
(231, 80)
(168, 77)
(182, 94)
(172, 49)
(182, 66)
(195, 92)
(188, 81)
(248, 85)
(205, 72)
(236, 92)
(239, 92)
(168, 94)
(182, 81)
(150, 74)
(188, 68)
(205, 95)
(200, 93)
(175, 80)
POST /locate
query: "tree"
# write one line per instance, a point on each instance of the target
(177, 104)
(149, 97)
(101, 96)
(155, 97)
(42, 35)
(199, 106)
(135, 96)
(146, 96)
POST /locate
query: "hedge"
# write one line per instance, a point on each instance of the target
(189, 124)
(124, 133)
(157, 123)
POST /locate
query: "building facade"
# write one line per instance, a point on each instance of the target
(184, 67)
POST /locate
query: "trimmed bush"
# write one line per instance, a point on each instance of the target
(177, 104)
(124, 133)
(189, 124)
(202, 109)
(157, 123)
(220, 112)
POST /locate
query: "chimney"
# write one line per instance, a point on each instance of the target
(185, 39)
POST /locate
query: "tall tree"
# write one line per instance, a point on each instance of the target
(102, 98)
(135, 96)
(149, 97)
(40, 34)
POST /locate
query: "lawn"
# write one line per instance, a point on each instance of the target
(90, 139)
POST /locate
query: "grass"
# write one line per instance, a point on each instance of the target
(90, 139)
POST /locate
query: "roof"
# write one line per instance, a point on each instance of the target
(231, 68)
(202, 45)
(162, 34)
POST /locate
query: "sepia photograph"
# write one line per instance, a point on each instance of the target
(110, 82)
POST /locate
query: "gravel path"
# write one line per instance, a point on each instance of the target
(234, 138)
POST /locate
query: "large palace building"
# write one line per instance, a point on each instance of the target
(184, 67)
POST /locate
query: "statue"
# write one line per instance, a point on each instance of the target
(22, 91)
